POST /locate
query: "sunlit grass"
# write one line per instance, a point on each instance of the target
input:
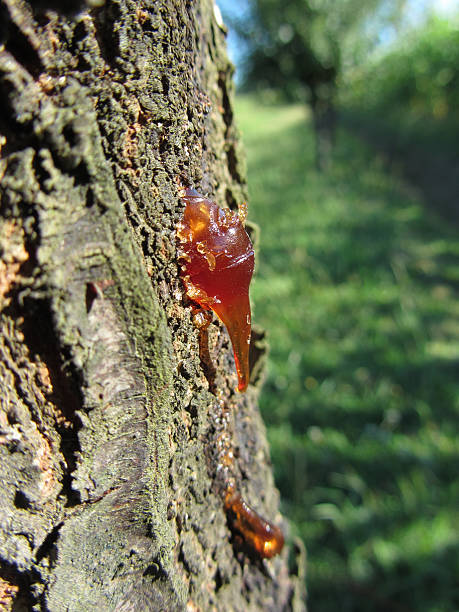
(357, 285)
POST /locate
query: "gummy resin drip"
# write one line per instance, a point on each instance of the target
(217, 265)
(259, 535)
(262, 536)
(218, 261)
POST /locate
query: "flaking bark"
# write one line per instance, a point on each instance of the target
(108, 497)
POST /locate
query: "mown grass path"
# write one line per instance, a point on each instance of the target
(357, 285)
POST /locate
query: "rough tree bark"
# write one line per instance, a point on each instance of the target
(107, 429)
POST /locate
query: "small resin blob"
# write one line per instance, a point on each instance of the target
(218, 261)
(259, 534)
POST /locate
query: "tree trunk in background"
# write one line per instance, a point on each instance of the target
(324, 121)
(107, 460)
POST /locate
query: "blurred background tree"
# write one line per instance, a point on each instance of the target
(357, 284)
(298, 48)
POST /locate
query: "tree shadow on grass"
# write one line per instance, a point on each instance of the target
(361, 400)
(425, 154)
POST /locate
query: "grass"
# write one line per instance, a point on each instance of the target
(357, 284)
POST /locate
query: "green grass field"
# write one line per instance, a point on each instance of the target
(357, 283)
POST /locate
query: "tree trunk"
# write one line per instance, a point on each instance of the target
(111, 409)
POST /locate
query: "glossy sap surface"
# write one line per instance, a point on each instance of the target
(262, 536)
(217, 266)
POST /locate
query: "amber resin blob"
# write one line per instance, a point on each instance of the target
(217, 266)
(262, 536)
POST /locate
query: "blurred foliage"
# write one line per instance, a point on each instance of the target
(297, 46)
(357, 284)
(419, 76)
(406, 103)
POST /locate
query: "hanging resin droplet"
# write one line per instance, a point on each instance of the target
(262, 536)
(217, 266)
